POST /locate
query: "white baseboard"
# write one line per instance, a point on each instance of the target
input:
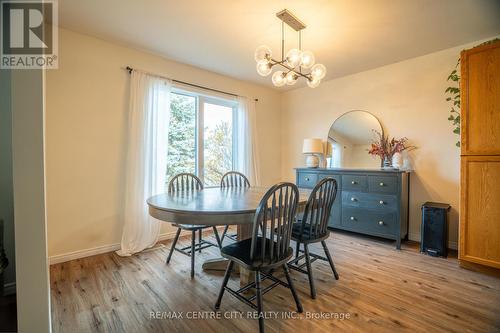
(59, 258)
(9, 288)
(416, 237)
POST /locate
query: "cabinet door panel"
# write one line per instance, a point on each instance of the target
(480, 210)
(480, 100)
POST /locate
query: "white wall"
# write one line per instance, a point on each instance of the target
(86, 121)
(408, 98)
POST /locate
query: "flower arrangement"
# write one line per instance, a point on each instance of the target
(385, 148)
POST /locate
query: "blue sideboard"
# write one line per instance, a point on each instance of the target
(369, 201)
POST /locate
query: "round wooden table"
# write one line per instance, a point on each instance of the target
(214, 206)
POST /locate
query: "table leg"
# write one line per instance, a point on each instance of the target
(244, 231)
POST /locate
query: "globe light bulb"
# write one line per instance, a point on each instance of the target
(307, 59)
(278, 79)
(264, 68)
(313, 83)
(293, 58)
(262, 54)
(318, 71)
(291, 78)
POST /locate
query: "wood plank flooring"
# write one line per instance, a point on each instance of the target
(381, 289)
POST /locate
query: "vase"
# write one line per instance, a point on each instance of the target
(397, 160)
(387, 164)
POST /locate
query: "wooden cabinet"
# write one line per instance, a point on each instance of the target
(480, 160)
(372, 202)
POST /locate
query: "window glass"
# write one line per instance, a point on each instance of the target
(181, 135)
(200, 137)
(218, 142)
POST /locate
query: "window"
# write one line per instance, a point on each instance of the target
(201, 136)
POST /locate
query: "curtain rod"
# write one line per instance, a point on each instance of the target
(130, 69)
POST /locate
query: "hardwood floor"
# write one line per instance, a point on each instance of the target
(381, 290)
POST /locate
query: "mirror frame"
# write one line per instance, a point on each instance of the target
(343, 114)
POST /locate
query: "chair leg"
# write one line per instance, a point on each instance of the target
(309, 271)
(224, 233)
(258, 291)
(173, 244)
(216, 233)
(193, 241)
(297, 248)
(224, 284)
(332, 265)
(199, 240)
(292, 288)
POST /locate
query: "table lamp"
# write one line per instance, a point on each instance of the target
(312, 148)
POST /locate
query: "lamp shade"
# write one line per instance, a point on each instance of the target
(312, 146)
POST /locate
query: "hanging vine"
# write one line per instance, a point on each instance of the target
(453, 96)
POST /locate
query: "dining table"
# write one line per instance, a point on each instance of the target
(215, 206)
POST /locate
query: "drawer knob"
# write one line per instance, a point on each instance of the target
(352, 218)
(382, 184)
(353, 182)
(381, 202)
(353, 199)
(307, 179)
(380, 222)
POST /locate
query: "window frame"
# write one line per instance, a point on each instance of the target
(201, 99)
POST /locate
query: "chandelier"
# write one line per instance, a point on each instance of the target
(295, 64)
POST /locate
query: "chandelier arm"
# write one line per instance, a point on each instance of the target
(300, 47)
(290, 69)
(282, 40)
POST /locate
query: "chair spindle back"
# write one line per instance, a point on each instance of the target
(234, 179)
(318, 208)
(184, 182)
(274, 218)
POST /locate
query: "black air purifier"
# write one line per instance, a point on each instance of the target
(434, 229)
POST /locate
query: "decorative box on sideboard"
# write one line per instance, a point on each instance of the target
(369, 201)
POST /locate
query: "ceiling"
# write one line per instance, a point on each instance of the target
(346, 36)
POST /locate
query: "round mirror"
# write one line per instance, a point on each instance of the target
(349, 140)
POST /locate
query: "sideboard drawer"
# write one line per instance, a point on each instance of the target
(354, 182)
(308, 180)
(322, 176)
(382, 184)
(364, 220)
(375, 201)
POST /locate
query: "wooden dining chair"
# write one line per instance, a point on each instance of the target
(233, 179)
(186, 183)
(311, 228)
(268, 249)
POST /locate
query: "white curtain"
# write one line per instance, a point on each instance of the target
(149, 115)
(247, 161)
